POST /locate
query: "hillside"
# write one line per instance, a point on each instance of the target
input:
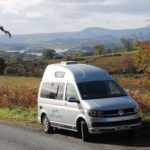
(72, 39)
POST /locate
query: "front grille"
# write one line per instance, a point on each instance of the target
(115, 113)
(116, 123)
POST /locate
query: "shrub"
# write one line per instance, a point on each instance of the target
(143, 56)
(28, 68)
(142, 100)
(25, 97)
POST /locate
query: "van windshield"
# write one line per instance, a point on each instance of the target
(100, 89)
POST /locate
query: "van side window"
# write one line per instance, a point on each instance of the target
(52, 90)
(70, 91)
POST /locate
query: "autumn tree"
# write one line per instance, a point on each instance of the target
(143, 56)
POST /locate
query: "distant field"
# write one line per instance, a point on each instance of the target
(12, 82)
(118, 64)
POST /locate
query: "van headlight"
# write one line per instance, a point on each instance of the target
(136, 109)
(92, 113)
(95, 113)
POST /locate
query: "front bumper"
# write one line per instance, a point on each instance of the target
(100, 125)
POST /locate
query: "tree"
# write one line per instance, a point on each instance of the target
(5, 31)
(127, 44)
(2, 66)
(49, 53)
(143, 56)
(99, 49)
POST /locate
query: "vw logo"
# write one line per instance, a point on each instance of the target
(120, 112)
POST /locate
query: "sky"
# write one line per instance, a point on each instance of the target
(46, 16)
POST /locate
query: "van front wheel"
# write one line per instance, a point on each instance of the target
(46, 125)
(84, 131)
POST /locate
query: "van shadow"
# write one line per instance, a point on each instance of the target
(119, 138)
(122, 139)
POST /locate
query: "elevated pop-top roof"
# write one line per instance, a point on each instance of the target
(68, 62)
(81, 72)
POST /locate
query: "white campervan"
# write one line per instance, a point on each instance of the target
(86, 99)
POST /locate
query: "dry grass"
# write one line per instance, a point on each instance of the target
(12, 82)
(114, 64)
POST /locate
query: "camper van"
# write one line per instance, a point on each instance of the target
(85, 99)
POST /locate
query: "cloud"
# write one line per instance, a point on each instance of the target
(33, 14)
(72, 15)
(14, 6)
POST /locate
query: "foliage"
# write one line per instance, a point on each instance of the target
(143, 56)
(26, 68)
(129, 64)
(49, 53)
(142, 100)
(99, 49)
(23, 97)
(122, 62)
(2, 66)
(26, 96)
(127, 44)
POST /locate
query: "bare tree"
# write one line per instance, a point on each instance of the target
(127, 43)
(5, 31)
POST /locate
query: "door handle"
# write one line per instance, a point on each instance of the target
(41, 107)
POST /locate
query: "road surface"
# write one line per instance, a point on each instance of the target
(14, 137)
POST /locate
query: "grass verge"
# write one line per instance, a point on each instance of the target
(28, 115)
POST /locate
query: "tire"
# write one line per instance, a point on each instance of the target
(84, 132)
(46, 125)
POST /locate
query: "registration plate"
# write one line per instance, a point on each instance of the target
(122, 127)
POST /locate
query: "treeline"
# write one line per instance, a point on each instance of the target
(139, 63)
(33, 68)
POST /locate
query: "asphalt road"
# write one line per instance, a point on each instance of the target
(14, 137)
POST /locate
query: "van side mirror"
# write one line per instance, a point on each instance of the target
(72, 99)
(127, 91)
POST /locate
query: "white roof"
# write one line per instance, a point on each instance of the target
(77, 72)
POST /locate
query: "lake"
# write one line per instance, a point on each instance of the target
(35, 53)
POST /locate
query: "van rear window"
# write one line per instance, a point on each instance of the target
(59, 74)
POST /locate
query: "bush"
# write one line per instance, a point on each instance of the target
(25, 97)
(142, 100)
(28, 68)
(143, 56)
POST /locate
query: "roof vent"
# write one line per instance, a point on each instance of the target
(68, 62)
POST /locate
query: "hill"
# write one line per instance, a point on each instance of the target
(87, 36)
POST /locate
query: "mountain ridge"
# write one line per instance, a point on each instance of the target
(86, 36)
